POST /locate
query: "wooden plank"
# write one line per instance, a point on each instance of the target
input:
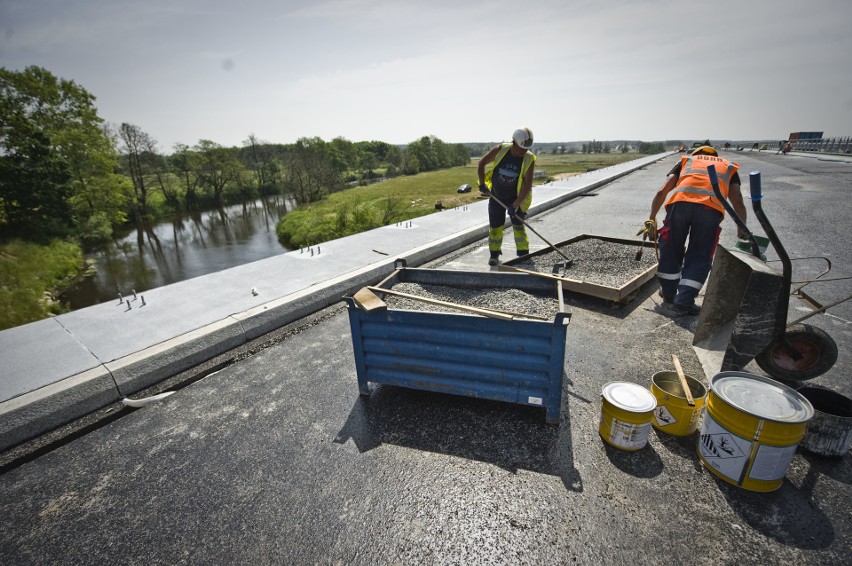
(369, 301)
(466, 308)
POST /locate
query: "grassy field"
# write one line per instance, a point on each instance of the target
(363, 208)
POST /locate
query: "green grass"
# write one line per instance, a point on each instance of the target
(363, 208)
(29, 274)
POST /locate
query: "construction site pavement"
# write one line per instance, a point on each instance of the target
(268, 455)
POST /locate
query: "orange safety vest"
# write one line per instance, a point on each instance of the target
(693, 185)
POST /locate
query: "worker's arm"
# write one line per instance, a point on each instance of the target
(526, 187)
(485, 160)
(662, 194)
(736, 198)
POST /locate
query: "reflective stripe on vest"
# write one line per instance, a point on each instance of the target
(694, 185)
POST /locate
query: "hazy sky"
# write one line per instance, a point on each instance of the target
(461, 70)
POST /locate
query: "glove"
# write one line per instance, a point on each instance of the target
(649, 230)
(483, 189)
(511, 211)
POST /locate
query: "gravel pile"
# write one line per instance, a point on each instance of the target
(602, 262)
(505, 300)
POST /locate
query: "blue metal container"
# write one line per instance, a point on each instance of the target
(518, 361)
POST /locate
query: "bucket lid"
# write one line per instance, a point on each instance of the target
(629, 396)
(762, 397)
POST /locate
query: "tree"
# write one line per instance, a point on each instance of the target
(311, 170)
(260, 159)
(218, 167)
(51, 125)
(135, 143)
(35, 189)
(183, 163)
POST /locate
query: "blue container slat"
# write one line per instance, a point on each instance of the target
(508, 392)
(428, 353)
(516, 361)
(440, 328)
(458, 368)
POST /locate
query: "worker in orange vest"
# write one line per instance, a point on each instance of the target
(692, 211)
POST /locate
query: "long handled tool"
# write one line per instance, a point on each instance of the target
(503, 267)
(683, 383)
(568, 261)
(490, 313)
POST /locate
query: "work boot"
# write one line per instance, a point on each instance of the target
(664, 298)
(493, 261)
(685, 310)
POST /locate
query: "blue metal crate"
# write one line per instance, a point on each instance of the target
(518, 361)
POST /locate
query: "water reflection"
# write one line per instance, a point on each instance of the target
(180, 248)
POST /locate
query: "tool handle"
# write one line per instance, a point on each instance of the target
(714, 181)
(524, 222)
(686, 390)
(490, 313)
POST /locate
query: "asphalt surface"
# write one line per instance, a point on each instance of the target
(268, 455)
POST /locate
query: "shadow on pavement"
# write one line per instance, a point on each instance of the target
(511, 437)
(788, 515)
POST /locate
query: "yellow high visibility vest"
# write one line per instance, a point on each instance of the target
(529, 159)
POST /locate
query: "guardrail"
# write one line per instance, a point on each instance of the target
(837, 145)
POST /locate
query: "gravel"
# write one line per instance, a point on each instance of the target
(602, 262)
(507, 300)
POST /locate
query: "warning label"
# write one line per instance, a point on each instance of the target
(627, 435)
(726, 452)
(664, 417)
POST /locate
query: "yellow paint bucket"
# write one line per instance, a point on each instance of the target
(751, 430)
(626, 411)
(673, 414)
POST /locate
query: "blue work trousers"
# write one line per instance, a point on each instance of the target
(683, 269)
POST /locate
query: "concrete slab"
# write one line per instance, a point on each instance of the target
(37, 354)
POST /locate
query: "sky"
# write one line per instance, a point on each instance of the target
(460, 70)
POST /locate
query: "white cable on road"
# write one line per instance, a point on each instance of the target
(136, 403)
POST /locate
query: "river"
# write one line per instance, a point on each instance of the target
(180, 248)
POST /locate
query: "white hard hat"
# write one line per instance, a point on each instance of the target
(523, 137)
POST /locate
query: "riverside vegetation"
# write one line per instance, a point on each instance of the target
(403, 198)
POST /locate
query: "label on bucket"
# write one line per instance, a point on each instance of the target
(663, 416)
(771, 462)
(726, 452)
(629, 436)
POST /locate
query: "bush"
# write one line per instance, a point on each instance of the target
(96, 230)
(30, 274)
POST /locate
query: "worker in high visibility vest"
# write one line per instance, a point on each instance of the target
(692, 211)
(509, 181)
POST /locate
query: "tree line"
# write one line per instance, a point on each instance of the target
(65, 172)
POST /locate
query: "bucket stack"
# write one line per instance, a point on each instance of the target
(749, 426)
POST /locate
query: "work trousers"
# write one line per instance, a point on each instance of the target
(496, 220)
(683, 269)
